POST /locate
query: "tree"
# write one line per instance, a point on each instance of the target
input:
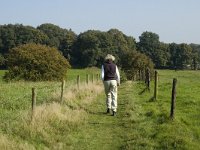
(15, 35)
(2, 60)
(195, 56)
(60, 38)
(173, 48)
(121, 44)
(92, 46)
(86, 49)
(150, 45)
(36, 62)
(185, 53)
(134, 61)
(181, 55)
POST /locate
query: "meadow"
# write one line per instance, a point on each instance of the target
(153, 128)
(17, 131)
(81, 123)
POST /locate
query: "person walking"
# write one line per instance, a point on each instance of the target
(111, 79)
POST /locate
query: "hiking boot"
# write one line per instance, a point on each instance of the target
(114, 113)
(108, 111)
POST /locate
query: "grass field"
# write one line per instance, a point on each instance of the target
(152, 127)
(81, 122)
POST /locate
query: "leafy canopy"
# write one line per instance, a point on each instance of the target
(134, 61)
(36, 62)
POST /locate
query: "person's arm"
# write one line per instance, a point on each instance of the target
(102, 73)
(118, 76)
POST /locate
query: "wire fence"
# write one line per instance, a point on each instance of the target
(18, 96)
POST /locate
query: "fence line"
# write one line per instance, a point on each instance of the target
(173, 99)
(33, 103)
(42, 93)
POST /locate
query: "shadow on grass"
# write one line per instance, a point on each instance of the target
(152, 99)
(144, 90)
(163, 118)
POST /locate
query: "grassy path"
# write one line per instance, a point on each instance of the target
(81, 123)
(103, 131)
(140, 124)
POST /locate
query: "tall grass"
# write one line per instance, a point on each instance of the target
(52, 121)
(140, 123)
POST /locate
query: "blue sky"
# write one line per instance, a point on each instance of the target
(173, 20)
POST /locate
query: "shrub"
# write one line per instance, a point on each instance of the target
(123, 77)
(35, 62)
(134, 61)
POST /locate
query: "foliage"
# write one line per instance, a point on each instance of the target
(150, 126)
(180, 55)
(60, 38)
(150, 45)
(36, 62)
(15, 35)
(195, 56)
(89, 48)
(92, 46)
(53, 122)
(133, 62)
(123, 77)
(2, 60)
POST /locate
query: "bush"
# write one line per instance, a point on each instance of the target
(133, 62)
(35, 62)
(123, 77)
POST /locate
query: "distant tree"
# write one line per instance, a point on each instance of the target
(36, 62)
(150, 45)
(173, 48)
(121, 43)
(195, 56)
(181, 55)
(7, 36)
(15, 35)
(185, 52)
(60, 38)
(92, 46)
(66, 45)
(86, 49)
(2, 60)
(163, 55)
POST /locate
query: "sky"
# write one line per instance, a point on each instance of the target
(173, 20)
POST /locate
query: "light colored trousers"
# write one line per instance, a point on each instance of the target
(111, 94)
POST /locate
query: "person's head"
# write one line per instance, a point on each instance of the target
(109, 57)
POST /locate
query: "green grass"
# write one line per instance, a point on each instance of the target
(145, 124)
(73, 73)
(81, 122)
(158, 130)
(15, 112)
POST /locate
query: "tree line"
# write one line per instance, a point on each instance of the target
(89, 48)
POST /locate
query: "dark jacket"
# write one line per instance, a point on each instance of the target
(109, 71)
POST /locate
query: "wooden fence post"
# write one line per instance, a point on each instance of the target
(147, 78)
(78, 81)
(62, 90)
(173, 100)
(156, 86)
(33, 103)
(97, 77)
(87, 79)
(92, 78)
